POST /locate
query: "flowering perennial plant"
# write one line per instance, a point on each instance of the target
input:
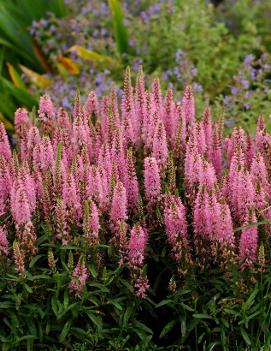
(117, 176)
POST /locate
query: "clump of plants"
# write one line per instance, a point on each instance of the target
(134, 226)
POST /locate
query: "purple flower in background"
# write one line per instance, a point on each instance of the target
(230, 122)
(245, 83)
(234, 90)
(249, 58)
(179, 56)
(197, 88)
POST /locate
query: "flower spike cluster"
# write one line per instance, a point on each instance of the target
(113, 171)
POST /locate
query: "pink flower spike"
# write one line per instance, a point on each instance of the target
(248, 242)
(46, 108)
(119, 207)
(159, 147)
(79, 278)
(188, 106)
(5, 150)
(3, 242)
(137, 246)
(152, 184)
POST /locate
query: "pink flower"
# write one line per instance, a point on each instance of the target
(171, 119)
(71, 198)
(140, 99)
(188, 106)
(79, 278)
(3, 242)
(137, 245)
(176, 226)
(91, 223)
(248, 242)
(152, 184)
(91, 106)
(136, 252)
(18, 258)
(132, 183)
(5, 150)
(46, 108)
(20, 206)
(119, 206)
(130, 122)
(159, 146)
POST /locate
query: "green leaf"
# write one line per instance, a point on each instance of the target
(167, 328)
(186, 307)
(65, 330)
(28, 288)
(245, 336)
(34, 260)
(66, 300)
(96, 320)
(201, 316)
(127, 315)
(54, 305)
(22, 96)
(116, 304)
(92, 271)
(121, 33)
(183, 327)
(15, 77)
(99, 60)
(163, 303)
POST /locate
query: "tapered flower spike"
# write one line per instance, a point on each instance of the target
(115, 107)
(136, 252)
(22, 122)
(238, 140)
(137, 246)
(158, 98)
(91, 224)
(46, 108)
(159, 147)
(43, 154)
(20, 207)
(63, 119)
(152, 183)
(259, 177)
(79, 278)
(5, 150)
(242, 193)
(188, 106)
(131, 124)
(62, 226)
(132, 182)
(119, 207)
(91, 107)
(207, 127)
(140, 98)
(76, 111)
(6, 182)
(71, 199)
(176, 228)
(18, 258)
(33, 138)
(248, 242)
(171, 119)
(3, 243)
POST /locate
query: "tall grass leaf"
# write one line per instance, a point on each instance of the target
(36, 78)
(68, 65)
(7, 124)
(22, 96)
(15, 77)
(98, 60)
(121, 33)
